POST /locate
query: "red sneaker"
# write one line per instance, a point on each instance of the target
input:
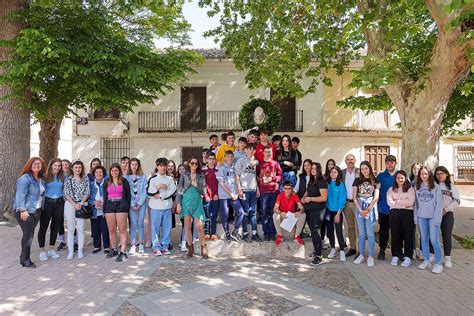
(299, 241)
(279, 239)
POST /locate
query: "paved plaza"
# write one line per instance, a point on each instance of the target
(239, 279)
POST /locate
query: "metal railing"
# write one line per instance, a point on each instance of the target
(343, 120)
(171, 121)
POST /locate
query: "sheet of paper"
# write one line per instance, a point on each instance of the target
(289, 223)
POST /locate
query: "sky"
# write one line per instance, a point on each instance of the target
(200, 23)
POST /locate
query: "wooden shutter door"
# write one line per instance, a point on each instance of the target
(193, 108)
(287, 106)
(376, 156)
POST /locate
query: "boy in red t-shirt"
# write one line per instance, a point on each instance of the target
(288, 201)
(211, 197)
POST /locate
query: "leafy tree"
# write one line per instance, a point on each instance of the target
(14, 122)
(415, 52)
(97, 54)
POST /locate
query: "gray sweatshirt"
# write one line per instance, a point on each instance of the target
(247, 174)
(429, 204)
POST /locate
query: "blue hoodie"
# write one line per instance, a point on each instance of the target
(336, 196)
(386, 182)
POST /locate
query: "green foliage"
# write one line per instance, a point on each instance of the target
(467, 242)
(290, 45)
(95, 53)
(272, 120)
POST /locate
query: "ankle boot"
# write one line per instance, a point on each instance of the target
(204, 252)
(190, 251)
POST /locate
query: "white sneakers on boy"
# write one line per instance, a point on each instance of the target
(332, 253)
(406, 262)
(394, 261)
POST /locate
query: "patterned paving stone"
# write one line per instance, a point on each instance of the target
(250, 300)
(128, 309)
(173, 276)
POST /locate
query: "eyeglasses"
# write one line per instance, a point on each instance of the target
(194, 163)
(37, 164)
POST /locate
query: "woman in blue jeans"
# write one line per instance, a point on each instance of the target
(428, 215)
(365, 195)
(27, 204)
(138, 183)
(288, 161)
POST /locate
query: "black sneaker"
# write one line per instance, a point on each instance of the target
(381, 255)
(247, 238)
(112, 253)
(256, 238)
(106, 251)
(236, 236)
(121, 257)
(267, 238)
(316, 261)
(351, 252)
(62, 246)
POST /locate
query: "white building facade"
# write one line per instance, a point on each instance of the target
(178, 124)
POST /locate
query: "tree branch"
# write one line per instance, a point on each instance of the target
(436, 9)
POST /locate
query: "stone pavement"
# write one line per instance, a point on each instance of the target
(255, 279)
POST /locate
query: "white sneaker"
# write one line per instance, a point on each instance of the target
(394, 261)
(425, 265)
(359, 259)
(80, 254)
(141, 248)
(183, 247)
(43, 256)
(406, 262)
(53, 254)
(70, 255)
(370, 262)
(332, 253)
(133, 250)
(432, 258)
(437, 269)
(342, 256)
(448, 263)
(420, 255)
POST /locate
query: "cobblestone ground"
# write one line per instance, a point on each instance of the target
(251, 284)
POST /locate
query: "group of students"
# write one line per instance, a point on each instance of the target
(236, 177)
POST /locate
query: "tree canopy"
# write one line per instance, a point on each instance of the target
(96, 53)
(275, 42)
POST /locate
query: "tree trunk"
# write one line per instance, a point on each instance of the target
(420, 135)
(49, 139)
(14, 123)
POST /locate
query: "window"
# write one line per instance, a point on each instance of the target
(464, 164)
(187, 152)
(287, 106)
(193, 108)
(376, 156)
(112, 149)
(106, 114)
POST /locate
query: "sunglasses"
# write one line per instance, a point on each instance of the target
(194, 163)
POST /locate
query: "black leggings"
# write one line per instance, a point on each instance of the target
(28, 229)
(447, 225)
(52, 212)
(401, 228)
(315, 220)
(330, 230)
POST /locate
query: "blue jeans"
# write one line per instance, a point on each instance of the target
(366, 229)
(267, 201)
(160, 219)
(211, 209)
(430, 232)
(249, 204)
(137, 220)
(238, 213)
(288, 176)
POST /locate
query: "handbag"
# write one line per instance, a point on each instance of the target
(85, 211)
